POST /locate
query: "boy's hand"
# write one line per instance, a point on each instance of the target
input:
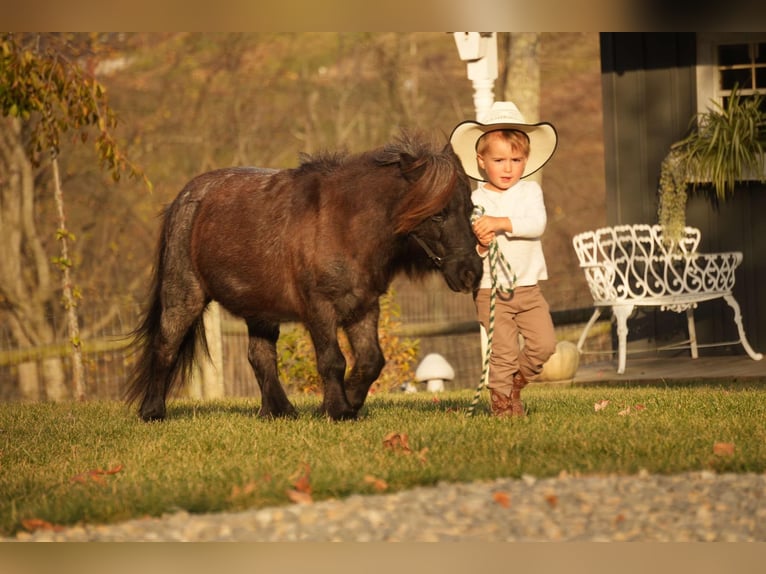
(486, 227)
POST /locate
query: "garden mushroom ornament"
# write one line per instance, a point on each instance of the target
(434, 370)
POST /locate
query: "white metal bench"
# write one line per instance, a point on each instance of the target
(628, 266)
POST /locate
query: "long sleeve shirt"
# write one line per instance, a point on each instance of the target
(523, 204)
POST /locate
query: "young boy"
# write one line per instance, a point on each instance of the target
(500, 154)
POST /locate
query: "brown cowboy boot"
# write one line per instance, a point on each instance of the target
(517, 406)
(500, 404)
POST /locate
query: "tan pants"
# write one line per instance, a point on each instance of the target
(525, 312)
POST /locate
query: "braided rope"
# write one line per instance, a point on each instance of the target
(497, 263)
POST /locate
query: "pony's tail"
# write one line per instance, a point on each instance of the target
(153, 377)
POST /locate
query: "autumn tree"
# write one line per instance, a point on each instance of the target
(45, 93)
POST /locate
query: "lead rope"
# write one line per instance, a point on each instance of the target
(497, 263)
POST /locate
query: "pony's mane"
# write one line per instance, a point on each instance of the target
(322, 162)
(430, 170)
(431, 191)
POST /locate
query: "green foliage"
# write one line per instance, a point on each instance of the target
(727, 144)
(42, 84)
(672, 197)
(96, 462)
(723, 145)
(297, 362)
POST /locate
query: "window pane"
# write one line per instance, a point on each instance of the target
(760, 78)
(741, 78)
(731, 54)
(760, 53)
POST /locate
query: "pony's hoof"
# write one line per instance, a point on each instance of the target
(153, 416)
(278, 414)
(342, 415)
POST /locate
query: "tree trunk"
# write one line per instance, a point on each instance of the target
(68, 295)
(521, 77)
(25, 284)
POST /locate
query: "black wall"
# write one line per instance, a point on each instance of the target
(649, 95)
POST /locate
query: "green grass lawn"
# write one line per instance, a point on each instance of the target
(96, 462)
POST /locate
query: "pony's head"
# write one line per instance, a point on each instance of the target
(435, 212)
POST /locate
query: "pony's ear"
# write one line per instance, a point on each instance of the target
(412, 167)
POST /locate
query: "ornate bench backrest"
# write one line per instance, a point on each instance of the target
(634, 262)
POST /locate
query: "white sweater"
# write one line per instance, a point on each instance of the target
(523, 204)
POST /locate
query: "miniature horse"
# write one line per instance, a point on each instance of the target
(318, 244)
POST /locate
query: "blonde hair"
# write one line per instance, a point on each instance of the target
(519, 141)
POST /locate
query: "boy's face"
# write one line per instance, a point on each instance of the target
(503, 165)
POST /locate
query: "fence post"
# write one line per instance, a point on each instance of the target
(207, 382)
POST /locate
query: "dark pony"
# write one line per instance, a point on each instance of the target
(317, 244)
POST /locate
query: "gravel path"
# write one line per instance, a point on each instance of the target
(700, 506)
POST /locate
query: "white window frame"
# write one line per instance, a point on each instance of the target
(708, 86)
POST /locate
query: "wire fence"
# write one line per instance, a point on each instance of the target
(439, 320)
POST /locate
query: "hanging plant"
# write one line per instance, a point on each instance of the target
(672, 192)
(724, 144)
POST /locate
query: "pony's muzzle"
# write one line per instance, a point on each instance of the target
(463, 275)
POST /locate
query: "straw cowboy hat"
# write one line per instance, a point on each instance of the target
(503, 116)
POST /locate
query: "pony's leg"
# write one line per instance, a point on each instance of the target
(368, 357)
(262, 354)
(331, 365)
(172, 354)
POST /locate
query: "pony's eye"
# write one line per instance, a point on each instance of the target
(438, 218)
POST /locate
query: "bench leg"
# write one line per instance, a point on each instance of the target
(621, 313)
(692, 332)
(593, 319)
(738, 320)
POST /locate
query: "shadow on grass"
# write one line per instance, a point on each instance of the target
(181, 409)
(755, 384)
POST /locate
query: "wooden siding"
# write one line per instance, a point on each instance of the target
(649, 95)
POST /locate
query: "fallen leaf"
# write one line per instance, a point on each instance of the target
(422, 454)
(377, 483)
(301, 481)
(95, 475)
(32, 524)
(639, 407)
(552, 500)
(723, 448)
(601, 405)
(237, 491)
(624, 412)
(397, 442)
(502, 498)
(299, 497)
(436, 399)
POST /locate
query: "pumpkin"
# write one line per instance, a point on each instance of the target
(562, 364)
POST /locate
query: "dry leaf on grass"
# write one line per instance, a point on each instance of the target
(95, 475)
(398, 442)
(723, 448)
(237, 491)
(601, 405)
(32, 524)
(629, 409)
(299, 497)
(377, 483)
(301, 490)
